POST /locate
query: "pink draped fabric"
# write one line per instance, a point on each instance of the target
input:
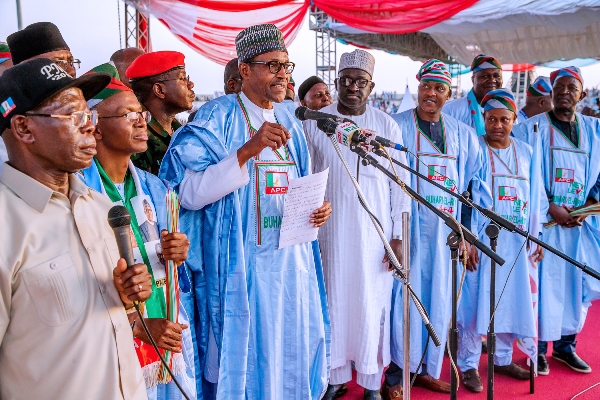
(400, 16)
(210, 26)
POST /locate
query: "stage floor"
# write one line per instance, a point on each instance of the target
(561, 384)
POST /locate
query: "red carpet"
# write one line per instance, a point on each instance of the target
(562, 383)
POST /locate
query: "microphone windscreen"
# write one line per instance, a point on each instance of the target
(118, 216)
(327, 125)
(300, 113)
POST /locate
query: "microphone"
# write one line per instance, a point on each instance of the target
(119, 220)
(348, 132)
(305, 113)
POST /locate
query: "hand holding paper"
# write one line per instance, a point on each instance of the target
(305, 195)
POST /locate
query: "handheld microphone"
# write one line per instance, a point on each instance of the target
(119, 220)
(305, 113)
(348, 132)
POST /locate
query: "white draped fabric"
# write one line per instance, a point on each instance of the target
(517, 31)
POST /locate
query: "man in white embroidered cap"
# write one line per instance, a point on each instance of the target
(357, 278)
(263, 310)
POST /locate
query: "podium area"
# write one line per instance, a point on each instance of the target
(562, 384)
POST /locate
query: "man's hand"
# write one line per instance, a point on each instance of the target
(560, 214)
(165, 333)
(473, 259)
(396, 245)
(175, 246)
(538, 254)
(133, 284)
(269, 135)
(321, 214)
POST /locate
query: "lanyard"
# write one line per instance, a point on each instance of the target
(156, 304)
(253, 131)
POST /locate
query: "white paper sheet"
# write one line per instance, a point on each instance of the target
(305, 195)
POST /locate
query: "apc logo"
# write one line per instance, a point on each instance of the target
(53, 72)
(277, 182)
(436, 172)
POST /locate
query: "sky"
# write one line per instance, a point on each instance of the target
(92, 29)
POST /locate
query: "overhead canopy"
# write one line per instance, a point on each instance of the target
(514, 31)
(210, 26)
(522, 31)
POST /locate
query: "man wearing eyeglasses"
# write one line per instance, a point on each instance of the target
(64, 329)
(120, 133)
(262, 309)
(42, 40)
(163, 87)
(358, 282)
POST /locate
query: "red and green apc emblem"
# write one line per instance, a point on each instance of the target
(277, 182)
(565, 175)
(507, 193)
(436, 172)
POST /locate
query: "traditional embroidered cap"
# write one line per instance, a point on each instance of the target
(358, 59)
(434, 71)
(307, 85)
(258, 39)
(540, 87)
(28, 84)
(155, 63)
(483, 61)
(568, 71)
(4, 52)
(499, 98)
(35, 39)
(115, 86)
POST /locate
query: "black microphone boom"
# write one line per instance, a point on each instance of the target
(119, 220)
(305, 113)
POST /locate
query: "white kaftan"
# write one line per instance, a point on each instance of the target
(358, 284)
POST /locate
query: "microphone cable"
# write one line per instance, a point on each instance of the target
(402, 185)
(162, 360)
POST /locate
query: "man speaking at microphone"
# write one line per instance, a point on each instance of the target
(357, 278)
(64, 332)
(263, 317)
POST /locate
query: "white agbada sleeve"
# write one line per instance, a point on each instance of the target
(200, 188)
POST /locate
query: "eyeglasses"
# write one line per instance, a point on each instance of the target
(186, 79)
(360, 82)
(133, 117)
(79, 118)
(275, 66)
(64, 64)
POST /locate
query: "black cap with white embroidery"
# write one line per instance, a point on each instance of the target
(28, 84)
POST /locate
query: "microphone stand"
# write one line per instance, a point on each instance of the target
(398, 274)
(458, 231)
(492, 231)
(498, 219)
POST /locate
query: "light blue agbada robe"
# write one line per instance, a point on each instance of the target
(468, 111)
(266, 306)
(156, 190)
(570, 176)
(519, 196)
(431, 272)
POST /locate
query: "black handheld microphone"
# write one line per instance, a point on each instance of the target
(305, 113)
(119, 220)
(348, 132)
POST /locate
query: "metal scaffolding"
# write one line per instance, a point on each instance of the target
(325, 45)
(519, 83)
(137, 29)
